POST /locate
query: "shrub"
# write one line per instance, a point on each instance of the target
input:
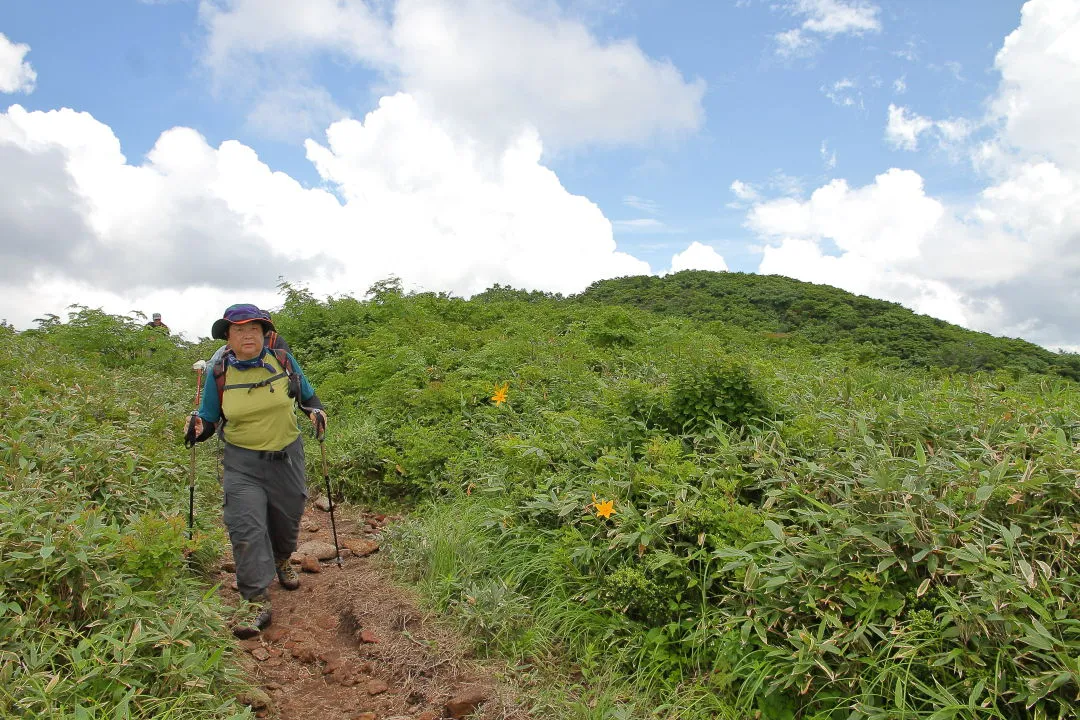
(154, 548)
(629, 591)
(612, 328)
(719, 389)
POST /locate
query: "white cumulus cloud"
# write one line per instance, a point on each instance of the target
(238, 28)
(904, 128)
(698, 256)
(834, 17)
(16, 75)
(794, 43)
(489, 67)
(216, 224)
(882, 222)
(825, 18)
(877, 230)
(744, 191)
(1039, 97)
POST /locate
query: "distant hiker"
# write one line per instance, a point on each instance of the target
(250, 394)
(155, 322)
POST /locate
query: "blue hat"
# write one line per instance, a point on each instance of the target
(238, 315)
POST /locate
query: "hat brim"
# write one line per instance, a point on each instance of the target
(220, 329)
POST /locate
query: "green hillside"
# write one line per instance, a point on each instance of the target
(646, 516)
(705, 522)
(828, 316)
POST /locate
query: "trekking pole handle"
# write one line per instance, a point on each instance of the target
(199, 367)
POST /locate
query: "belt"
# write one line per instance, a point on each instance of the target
(273, 455)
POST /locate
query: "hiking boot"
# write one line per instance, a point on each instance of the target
(253, 616)
(286, 575)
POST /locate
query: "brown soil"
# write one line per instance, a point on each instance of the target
(349, 644)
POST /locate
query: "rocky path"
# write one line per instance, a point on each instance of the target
(351, 645)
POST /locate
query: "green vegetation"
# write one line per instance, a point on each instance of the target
(696, 519)
(793, 533)
(825, 315)
(99, 616)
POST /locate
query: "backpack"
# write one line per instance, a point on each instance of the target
(280, 350)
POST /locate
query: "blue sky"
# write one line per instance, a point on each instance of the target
(892, 148)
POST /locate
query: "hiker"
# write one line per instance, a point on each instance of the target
(155, 322)
(277, 340)
(249, 395)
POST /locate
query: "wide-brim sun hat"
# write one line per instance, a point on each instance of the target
(238, 315)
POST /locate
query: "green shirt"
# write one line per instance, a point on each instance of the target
(260, 418)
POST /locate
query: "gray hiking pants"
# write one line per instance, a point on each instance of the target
(265, 494)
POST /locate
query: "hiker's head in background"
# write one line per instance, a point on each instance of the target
(243, 327)
(155, 322)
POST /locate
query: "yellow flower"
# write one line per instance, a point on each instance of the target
(604, 508)
(500, 393)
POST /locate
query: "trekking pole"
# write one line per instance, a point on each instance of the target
(198, 367)
(330, 499)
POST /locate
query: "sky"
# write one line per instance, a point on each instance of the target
(178, 156)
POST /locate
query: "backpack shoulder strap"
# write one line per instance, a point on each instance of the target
(274, 341)
(290, 371)
(219, 379)
(280, 350)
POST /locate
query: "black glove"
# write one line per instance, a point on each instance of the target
(196, 430)
(313, 408)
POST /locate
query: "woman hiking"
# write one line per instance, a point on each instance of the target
(249, 397)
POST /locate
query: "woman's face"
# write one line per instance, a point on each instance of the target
(246, 340)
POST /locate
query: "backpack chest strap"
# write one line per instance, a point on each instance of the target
(252, 386)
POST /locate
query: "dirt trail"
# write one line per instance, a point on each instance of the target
(349, 644)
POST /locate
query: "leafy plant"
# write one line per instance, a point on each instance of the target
(716, 389)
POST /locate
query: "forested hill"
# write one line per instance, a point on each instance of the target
(827, 315)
